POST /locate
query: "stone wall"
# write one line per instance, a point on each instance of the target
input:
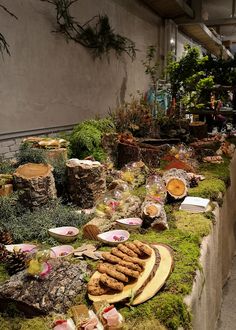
(8, 148)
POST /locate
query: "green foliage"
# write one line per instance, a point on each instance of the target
(190, 83)
(152, 65)
(6, 166)
(98, 37)
(26, 225)
(59, 173)
(27, 154)
(86, 138)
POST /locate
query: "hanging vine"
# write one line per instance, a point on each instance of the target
(96, 34)
(4, 47)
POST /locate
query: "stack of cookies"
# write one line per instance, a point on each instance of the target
(122, 266)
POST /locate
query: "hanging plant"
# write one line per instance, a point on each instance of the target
(96, 34)
(4, 47)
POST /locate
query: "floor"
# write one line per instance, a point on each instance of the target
(227, 319)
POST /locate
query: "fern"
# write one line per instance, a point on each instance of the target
(86, 138)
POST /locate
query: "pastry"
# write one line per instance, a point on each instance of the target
(111, 282)
(142, 247)
(112, 271)
(115, 260)
(133, 247)
(128, 271)
(127, 250)
(95, 288)
(134, 260)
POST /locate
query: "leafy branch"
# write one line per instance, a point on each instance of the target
(3, 43)
(96, 34)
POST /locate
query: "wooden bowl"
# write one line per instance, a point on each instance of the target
(130, 223)
(64, 234)
(61, 251)
(113, 237)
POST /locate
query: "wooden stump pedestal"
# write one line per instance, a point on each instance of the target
(36, 183)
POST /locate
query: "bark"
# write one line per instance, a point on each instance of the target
(36, 183)
(86, 182)
(53, 294)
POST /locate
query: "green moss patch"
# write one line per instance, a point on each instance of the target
(168, 308)
(217, 171)
(209, 188)
(196, 223)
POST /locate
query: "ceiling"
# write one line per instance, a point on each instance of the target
(202, 20)
(221, 15)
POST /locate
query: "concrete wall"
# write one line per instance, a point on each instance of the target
(182, 40)
(47, 82)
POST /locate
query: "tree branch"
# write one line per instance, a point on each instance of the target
(8, 11)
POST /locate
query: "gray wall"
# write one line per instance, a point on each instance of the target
(47, 82)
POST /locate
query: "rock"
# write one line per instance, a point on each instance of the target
(56, 293)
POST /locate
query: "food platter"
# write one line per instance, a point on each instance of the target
(156, 270)
(130, 289)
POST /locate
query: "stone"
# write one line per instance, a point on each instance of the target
(56, 293)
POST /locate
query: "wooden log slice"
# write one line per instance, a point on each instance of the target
(36, 183)
(176, 187)
(130, 289)
(163, 271)
(96, 226)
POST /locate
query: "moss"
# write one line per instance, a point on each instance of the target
(169, 309)
(140, 192)
(22, 323)
(217, 171)
(209, 188)
(150, 323)
(196, 223)
(3, 274)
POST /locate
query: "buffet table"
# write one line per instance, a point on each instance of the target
(217, 251)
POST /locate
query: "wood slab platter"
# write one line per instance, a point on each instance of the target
(162, 273)
(129, 289)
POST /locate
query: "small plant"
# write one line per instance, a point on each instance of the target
(27, 154)
(134, 116)
(6, 166)
(86, 138)
(152, 66)
(28, 225)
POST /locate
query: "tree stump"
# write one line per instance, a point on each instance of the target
(86, 182)
(198, 129)
(36, 183)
